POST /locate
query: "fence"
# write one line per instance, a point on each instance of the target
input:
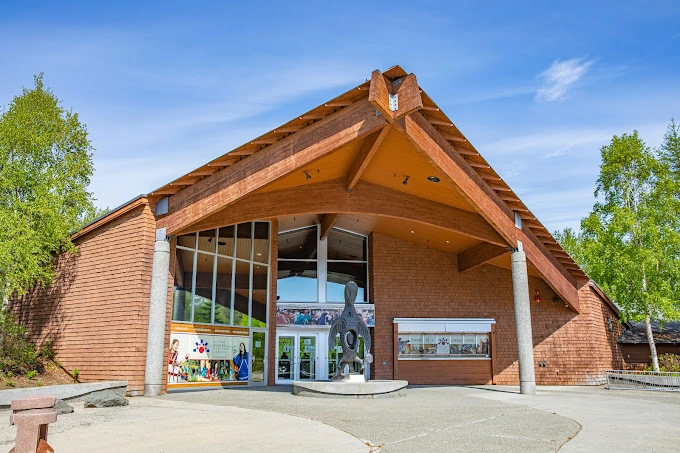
(643, 380)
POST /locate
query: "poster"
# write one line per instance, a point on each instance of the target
(318, 315)
(208, 355)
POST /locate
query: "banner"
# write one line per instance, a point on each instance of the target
(208, 355)
(319, 315)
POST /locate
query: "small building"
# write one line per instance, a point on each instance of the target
(233, 273)
(635, 347)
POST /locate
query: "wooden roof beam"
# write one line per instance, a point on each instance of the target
(479, 254)
(425, 137)
(454, 138)
(293, 152)
(394, 101)
(368, 150)
(327, 223)
(366, 198)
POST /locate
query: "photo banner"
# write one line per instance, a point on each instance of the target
(319, 315)
(208, 355)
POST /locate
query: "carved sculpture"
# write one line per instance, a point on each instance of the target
(350, 326)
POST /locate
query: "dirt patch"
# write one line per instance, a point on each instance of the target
(52, 375)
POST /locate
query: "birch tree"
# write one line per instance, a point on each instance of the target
(629, 243)
(45, 168)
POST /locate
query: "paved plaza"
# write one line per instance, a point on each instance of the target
(433, 419)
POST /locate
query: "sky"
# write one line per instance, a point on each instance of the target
(537, 87)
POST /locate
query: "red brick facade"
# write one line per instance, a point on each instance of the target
(97, 310)
(409, 280)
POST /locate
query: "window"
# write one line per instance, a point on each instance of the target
(221, 276)
(314, 270)
(443, 345)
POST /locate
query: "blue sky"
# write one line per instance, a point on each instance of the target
(537, 88)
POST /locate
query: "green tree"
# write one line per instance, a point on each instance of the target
(45, 169)
(629, 243)
(670, 149)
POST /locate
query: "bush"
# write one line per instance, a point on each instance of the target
(16, 354)
(669, 362)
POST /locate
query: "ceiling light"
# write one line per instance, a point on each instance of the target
(412, 231)
(447, 241)
(259, 254)
(433, 179)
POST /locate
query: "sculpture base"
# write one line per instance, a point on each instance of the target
(345, 377)
(350, 389)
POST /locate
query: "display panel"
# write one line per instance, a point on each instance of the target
(208, 355)
(443, 345)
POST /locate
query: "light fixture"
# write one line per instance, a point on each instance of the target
(433, 179)
(405, 181)
(307, 175)
(259, 254)
(222, 243)
(447, 241)
(412, 231)
(537, 297)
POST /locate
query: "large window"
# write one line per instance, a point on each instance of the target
(221, 276)
(443, 345)
(314, 270)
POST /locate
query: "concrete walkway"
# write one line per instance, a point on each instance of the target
(154, 425)
(432, 419)
(611, 420)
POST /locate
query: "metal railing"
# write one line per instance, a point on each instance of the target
(643, 380)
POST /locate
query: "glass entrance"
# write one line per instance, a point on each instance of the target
(285, 359)
(301, 356)
(258, 374)
(308, 356)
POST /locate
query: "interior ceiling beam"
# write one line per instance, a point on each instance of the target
(479, 254)
(327, 223)
(425, 137)
(368, 150)
(279, 159)
(367, 198)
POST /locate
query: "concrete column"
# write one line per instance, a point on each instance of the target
(155, 343)
(525, 347)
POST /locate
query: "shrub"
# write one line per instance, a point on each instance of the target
(31, 374)
(669, 362)
(76, 373)
(16, 354)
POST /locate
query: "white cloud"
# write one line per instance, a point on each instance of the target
(560, 76)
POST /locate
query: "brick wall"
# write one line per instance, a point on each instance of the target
(97, 310)
(410, 280)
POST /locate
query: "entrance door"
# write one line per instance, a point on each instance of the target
(258, 375)
(300, 357)
(307, 357)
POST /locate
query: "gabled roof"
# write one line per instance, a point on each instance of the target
(432, 113)
(637, 334)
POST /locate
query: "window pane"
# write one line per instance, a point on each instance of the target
(483, 344)
(469, 344)
(181, 298)
(297, 281)
(206, 241)
(298, 244)
(225, 242)
(430, 341)
(261, 246)
(223, 291)
(188, 240)
(241, 293)
(204, 284)
(338, 276)
(346, 246)
(456, 346)
(259, 294)
(244, 240)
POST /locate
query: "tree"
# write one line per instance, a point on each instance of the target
(45, 169)
(630, 242)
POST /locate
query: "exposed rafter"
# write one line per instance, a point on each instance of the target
(478, 255)
(327, 223)
(368, 150)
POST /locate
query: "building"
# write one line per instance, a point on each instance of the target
(459, 282)
(635, 346)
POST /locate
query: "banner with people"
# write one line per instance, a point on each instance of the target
(319, 315)
(203, 355)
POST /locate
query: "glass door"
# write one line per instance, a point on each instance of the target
(308, 357)
(259, 360)
(285, 358)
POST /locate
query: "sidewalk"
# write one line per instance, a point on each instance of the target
(154, 425)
